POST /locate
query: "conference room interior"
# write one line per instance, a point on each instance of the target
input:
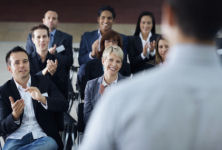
(75, 18)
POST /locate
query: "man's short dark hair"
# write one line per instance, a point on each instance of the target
(40, 26)
(14, 50)
(108, 8)
(198, 18)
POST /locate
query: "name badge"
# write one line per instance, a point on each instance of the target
(60, 49)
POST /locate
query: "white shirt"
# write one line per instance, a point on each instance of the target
(148, 49)
(113, 83)
(176, 106)
(29, 122)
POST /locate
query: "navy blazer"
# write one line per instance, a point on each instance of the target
(92, 95)
(46, 118)
(135, 49)
(60, 38)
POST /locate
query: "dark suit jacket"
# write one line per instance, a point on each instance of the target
(92, 95)
(60, 38)
(135, 49)
(61, 76)
(46, 118)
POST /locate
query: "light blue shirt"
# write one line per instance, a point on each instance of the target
(52, 37)
(176, 106)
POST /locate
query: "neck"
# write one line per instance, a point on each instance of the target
(110, 79)
(43, 54)
(50, 30)
(145, 35)
(23, 82)
(103, 31)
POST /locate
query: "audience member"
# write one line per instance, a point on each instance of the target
(27, 106)
(90, 41)
(60, 43)
(44, 63)
(141, 47)
(162, 47)
(112, 59)
(176, 106)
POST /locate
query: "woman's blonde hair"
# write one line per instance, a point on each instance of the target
(113, 49)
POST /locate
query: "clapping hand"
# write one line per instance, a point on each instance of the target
(17, 107)
(36, 95)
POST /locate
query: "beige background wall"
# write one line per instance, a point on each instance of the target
(18, 31)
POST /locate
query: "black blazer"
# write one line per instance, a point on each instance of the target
(135, 49)
(61, 76)
(46, 118)
(60, 38)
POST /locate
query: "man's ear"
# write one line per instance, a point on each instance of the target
(43, 20)
(98, 19)
(168, 15)
(9, 68)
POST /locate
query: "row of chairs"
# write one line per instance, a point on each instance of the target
(73, 129)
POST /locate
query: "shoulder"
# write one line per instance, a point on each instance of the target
(6, 86)
(134, 38)
(155, 36)
(124, 37)
(61, 33)
(90, 34)
(29, 36)
(95, 81)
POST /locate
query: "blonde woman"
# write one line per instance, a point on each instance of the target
(112, 59)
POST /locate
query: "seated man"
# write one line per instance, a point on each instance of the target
(90, 42)
(27, 106)
(60, 44)
(44, 63)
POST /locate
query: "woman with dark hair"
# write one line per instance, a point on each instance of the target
(142, 44)
(94, 67)
(162, 47)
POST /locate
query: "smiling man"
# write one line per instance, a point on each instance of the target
(28, 104)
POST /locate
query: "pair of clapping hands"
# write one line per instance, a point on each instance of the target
(150, 45)
(18, 106)
(50, 67)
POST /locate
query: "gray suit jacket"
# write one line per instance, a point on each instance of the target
(92, 95)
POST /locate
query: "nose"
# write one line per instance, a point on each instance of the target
(41, 39)
(106, 20)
